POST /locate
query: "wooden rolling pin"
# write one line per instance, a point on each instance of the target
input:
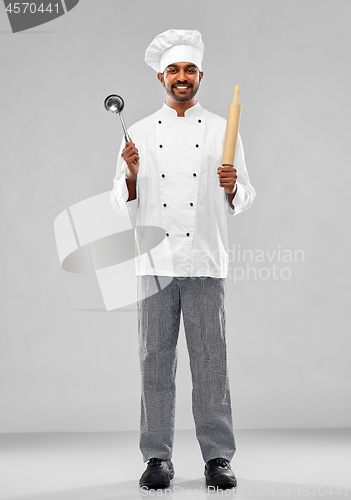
(231, 133)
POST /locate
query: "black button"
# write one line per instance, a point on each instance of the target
(163, 175)
(188, 234)
(191, 204)
(167, 234)
(161, 146)
(199, 121)
(197, 145)
(164, 205)
(159, 122)
(194, 174)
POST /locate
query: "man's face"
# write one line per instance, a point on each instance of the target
(181, 80)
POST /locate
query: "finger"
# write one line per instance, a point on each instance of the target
(129, 145)
(228, 175)
(127, 149)
(227, 184)
(129, 154)
(228, 170)
(227, 181)
(131, 158)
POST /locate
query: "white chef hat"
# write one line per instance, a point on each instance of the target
(175, 46)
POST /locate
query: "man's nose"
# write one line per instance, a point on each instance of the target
(181, 75)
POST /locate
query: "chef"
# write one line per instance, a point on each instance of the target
(170, 177)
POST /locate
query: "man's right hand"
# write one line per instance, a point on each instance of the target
(129, 155)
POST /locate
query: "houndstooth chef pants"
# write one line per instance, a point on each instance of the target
(201, 300)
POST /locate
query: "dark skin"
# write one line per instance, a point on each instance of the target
(131, 157)
(181, 82)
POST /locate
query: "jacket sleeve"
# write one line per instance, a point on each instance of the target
(245, 193)
(120, 194)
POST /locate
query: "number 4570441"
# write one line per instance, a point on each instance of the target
(22, 7)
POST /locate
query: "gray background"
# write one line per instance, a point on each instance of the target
(65, 364)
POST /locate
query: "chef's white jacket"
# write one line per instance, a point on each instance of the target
(178, 192)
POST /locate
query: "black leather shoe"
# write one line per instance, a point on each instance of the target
(157, 474)
(219, 474)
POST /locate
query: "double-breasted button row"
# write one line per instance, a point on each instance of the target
(159, 121)
(187, 234)
(191, 204)
(161, 146)
(164, 175)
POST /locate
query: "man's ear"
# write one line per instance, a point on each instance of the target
(200, 75)
(160, 78)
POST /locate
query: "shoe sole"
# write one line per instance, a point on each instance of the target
(225, 483)
(159, 484)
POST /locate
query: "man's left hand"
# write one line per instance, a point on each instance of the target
(227, 179)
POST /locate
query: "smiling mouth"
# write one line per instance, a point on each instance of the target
(181, 87)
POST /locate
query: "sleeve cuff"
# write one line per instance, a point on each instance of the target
(237, 200)
(120, 195)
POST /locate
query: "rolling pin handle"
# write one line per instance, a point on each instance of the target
(236, 94)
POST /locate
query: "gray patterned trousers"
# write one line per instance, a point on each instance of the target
(201, 300)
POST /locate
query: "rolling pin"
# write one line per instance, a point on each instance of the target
(231, 133)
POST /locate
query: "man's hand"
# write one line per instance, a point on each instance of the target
(130, 155)
(227, 179)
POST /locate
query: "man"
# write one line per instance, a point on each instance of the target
(170, 176)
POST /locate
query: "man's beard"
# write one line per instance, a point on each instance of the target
(182, 98)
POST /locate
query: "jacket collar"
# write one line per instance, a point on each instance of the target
(193, 112)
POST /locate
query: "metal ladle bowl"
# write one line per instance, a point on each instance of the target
(115, 104)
